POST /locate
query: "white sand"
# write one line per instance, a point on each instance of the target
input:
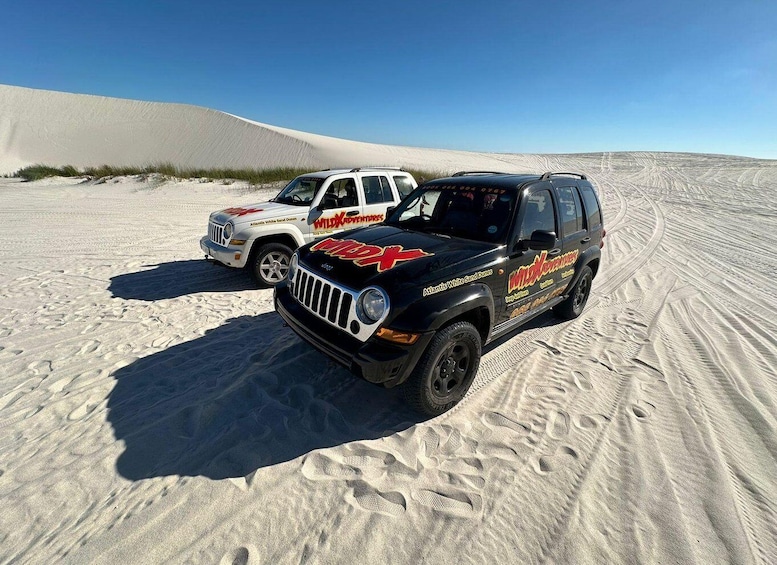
(154, 409)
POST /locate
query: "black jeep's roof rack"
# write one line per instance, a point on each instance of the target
(370, 168)
(465, 173)
(547, 175)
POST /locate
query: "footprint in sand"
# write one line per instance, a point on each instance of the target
(369, 458)
(366, 498)
(582, 381)
(244, 555)
(89, 347)
(318, 467)
(496, 421)
(10, 352)
(40, 367)
(84, 410)
(454, 503)
(563, 457)
(587, 422)
(545, 391)
(558, 424)
(643, 410)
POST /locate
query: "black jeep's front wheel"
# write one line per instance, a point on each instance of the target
(446, 370)
(573, 306)
(270, 264)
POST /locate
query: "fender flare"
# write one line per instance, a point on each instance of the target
(434, 312)
(591, 254)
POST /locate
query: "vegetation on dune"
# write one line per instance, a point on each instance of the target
(252, 176)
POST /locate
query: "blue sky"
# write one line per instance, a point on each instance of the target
(523, 77)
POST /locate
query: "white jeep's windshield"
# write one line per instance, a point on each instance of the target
(300, 191)
(482, 214)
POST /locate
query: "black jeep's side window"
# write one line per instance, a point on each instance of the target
(571, 209)
(539, 214)
(591, 206)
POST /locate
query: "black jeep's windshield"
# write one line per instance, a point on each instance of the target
(482, 214)
(300, 191)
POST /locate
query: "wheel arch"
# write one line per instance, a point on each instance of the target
(283, 238)
(472, 303)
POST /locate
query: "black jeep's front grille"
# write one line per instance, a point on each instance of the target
(322, 298)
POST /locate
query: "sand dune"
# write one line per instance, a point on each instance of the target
(154, 409)
(56, 128)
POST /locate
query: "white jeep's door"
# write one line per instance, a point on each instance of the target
(337, 207)
(379, 196)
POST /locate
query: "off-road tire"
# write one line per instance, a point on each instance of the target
(574, 304)
(445, 371)
(270, 264)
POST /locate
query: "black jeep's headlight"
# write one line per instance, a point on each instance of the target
(293, 267)
(371, 305)
(229, 230)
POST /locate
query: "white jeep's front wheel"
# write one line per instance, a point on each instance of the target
(270, 264)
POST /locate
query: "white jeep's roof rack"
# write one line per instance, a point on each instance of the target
(376, 168)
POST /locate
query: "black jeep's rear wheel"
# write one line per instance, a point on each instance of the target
(446, 370)
(573, 306)
(270, 264)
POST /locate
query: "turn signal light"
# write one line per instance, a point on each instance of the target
(405, 338)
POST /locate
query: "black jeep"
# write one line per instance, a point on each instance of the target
(459, 262)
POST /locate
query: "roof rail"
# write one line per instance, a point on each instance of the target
(374, 168)
(465, 173)
(547, 175)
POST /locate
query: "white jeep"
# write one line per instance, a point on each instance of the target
(263, 236)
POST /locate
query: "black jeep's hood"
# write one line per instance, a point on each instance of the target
(392, 258)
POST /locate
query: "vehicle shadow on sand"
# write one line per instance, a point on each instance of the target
(246, 395)
(179, 278)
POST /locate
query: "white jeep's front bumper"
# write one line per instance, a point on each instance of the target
(228, 256)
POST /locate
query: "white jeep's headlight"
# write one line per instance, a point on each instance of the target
(293, 267)
(229, 230)
(371, 305)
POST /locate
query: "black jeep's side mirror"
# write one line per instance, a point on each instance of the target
(542, 240)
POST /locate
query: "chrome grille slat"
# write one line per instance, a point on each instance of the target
(323, 298)
(216, 234)
(331, 303)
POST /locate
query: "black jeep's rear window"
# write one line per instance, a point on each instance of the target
(591, 206)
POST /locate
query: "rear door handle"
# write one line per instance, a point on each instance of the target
(352, 213)
(585, 240)
(555, 251)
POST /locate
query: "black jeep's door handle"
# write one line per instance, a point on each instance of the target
(555, 251)
(352, 213)
(585, 240)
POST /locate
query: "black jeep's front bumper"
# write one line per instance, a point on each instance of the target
(376, 360)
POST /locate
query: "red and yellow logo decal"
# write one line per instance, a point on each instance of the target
(340, 220)
(363, 255)
(528, 275)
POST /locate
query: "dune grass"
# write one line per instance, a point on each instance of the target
(252, 176)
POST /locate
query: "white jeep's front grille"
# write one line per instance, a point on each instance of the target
(331, 302)
(216, 233)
